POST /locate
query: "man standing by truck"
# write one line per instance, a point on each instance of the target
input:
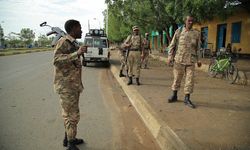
(68, 82)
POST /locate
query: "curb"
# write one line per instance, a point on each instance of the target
(164, 135)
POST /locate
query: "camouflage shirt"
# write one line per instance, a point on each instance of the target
(135, 41)
(146, 44)
(188, 49)
(67, 67)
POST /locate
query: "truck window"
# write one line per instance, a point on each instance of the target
(101, 43)
(104, 43)
(89, 42)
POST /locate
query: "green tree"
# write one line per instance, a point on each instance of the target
(13, 42)
(27, 36)
(159, 14)
(44, 41)
(1, 36)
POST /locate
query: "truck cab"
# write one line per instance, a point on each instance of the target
(98, 47)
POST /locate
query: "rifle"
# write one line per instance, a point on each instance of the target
(126, 55)
(59, 33)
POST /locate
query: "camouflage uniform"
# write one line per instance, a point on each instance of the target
(122, 54)
(134, 56)
(68, 83)
(146, 53)
(187, 54)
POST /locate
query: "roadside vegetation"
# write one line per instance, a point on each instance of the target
(6, 52)
(161, 15)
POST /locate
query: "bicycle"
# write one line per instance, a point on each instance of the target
(223, 64)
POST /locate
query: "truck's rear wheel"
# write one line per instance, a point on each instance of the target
(84, 64)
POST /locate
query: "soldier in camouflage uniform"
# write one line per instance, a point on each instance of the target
(68, 82)
(136, 52)
(147, 50)
(184, 49)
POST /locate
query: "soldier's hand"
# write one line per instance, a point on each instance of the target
(199, 64)
(127, 45)
(142, 55)
(81, 50)
(169, 60)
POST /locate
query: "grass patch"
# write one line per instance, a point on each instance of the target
(6, 52)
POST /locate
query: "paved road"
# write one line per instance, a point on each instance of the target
(30, 111)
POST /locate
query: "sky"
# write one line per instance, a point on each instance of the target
(18, 14)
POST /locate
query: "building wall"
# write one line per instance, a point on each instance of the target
(239, 16)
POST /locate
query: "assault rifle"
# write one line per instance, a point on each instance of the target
(58, 32)
(126, 54)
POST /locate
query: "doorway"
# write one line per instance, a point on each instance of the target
(221, 36)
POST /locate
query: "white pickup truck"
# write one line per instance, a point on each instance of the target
(98, 50)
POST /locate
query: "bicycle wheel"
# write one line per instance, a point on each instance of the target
(232, 74)
(211, 69)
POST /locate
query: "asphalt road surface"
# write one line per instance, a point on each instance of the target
(30, 112)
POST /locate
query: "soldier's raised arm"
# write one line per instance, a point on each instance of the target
(61, 56)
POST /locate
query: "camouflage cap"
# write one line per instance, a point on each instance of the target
(135, 28)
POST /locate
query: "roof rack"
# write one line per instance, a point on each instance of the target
(96, 32)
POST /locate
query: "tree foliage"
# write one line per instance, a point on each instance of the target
(26, 39)
(27, 35)
(157, 14)
(44, 41)
(1, 36)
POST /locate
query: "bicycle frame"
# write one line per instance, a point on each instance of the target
(221, 65)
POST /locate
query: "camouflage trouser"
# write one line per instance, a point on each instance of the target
(70, 112)
(134, 58)
(180, 70)
(123, 61)
(146, 57)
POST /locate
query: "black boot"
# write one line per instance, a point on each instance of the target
(76, 141)
(173, 98)
(129, 81)
(137, 81)
(121, 74)
(65, 140)
(188, 102)
(72, 145)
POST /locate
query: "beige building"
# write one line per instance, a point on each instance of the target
(234, 30)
